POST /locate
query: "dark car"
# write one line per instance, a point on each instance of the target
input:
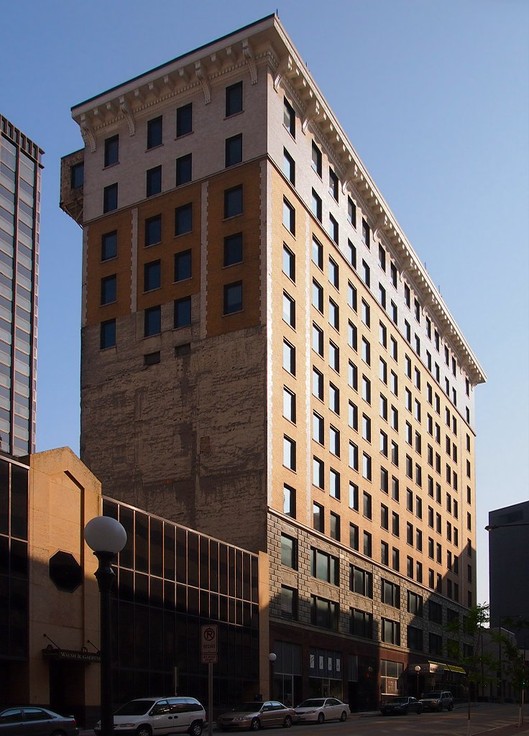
(256, 715)
(32, 721)
(401, 706)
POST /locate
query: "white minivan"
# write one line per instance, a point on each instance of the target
(157, 716)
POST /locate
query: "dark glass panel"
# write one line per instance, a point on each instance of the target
(213, 565)
(169, 552)
(142, 542)
(19, 558)
(192, 551)
(126, 556)
(192, 601)
(126, 585)
(223, 567)
(181, 555)
(246, 579)
(156, 593)
(19, 502)
(4, 497)
(237, 573)
(204, 563)
(141, 588)
(156, 547)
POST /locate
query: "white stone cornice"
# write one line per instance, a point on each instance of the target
(204, 82)
(250, 60)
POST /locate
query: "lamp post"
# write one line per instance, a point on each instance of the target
(417, 672)
(272, 658)
(106, 537)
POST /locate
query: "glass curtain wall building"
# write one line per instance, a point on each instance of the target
(20, 167)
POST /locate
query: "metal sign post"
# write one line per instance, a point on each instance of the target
(209, 651)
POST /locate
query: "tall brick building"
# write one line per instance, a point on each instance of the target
(265, 359)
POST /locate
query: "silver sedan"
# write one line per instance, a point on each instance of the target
(322, 709)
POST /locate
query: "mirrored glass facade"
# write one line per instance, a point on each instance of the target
(20, 166)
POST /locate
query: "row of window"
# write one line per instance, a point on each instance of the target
(316, 207)
(152, 321)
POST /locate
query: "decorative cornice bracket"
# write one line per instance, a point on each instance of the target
(250, 60)
(88, 134)
(127, 114)
(204, 82)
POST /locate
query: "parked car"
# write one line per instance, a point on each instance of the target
(401, 706)
(322, 709)
(157, 716)
(437, 700)
(31, 721)
(257, 715)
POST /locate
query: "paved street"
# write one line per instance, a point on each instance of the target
(486, 718)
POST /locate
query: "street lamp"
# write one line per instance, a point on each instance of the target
(417, 672)
(272, 658)
(106, 537)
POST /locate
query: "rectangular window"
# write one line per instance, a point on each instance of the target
(318, 472)
(360, 581)
(289, 405)
(152, 321)
(289, 552)
(351, 212)
(317, 253)
(289, 603)
(390, 632)
(316, 205)
(317, 383)
(353, 496)
(108, 289)
(316, 159)
(182, 312)
(289, 453)
(289, 167)
(109, 245)
(324, 613)
(153, 230)
(325, 566)
(289, 216)
(289, 118)
(151, 275)
(233, 203)
(154, 132)
(317, 517)
(366, 274)
(183, 219)
(107, 334)
(184, 165)
(361, 623)
(233, 99)
(153, 183)
(112, 150)
(233, 150)
(353, 537)
(318, 431)
(289, 310)
(110, 198)
(333, 229)
(233, 298)
(334, 273)
(182, 265)
(366, 233)
(333, 184)
(184, 120)
(77, 175)
(289, 501)
(317, 339)
(233, 249)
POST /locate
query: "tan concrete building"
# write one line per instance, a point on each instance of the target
(265, 359)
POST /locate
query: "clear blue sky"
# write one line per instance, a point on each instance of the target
(434, 95)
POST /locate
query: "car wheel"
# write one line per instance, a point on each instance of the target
(343, 716)
(255, 724)
(196, 728)
(321, 718)
(143, 731)
(287, 722)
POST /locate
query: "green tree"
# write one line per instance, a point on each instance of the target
(470, 652)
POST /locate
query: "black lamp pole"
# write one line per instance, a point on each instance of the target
(106, 537)
(105, 578)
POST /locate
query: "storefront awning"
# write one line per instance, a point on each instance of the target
(432, 668)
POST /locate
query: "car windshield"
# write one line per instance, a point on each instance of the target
(312, 703)
(135, 708)
(247, 707)
(432, 695)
